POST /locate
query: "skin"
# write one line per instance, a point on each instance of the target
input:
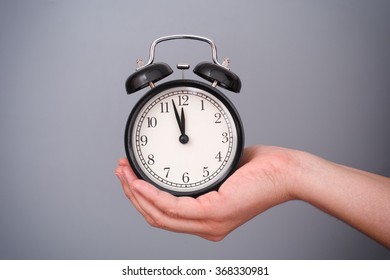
(268, 176)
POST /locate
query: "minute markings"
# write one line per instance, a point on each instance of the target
(162, 105)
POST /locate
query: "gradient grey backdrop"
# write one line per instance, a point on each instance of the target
(315, 77)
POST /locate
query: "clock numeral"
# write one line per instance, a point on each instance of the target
(218, 157)
(151, 159)
(144, 140)
(167, 170)
(202, 105)
(152, 121)
(218, 117)
(225, 137)
(183, 100)
(206, 173)
(185, 177)
(164, 107)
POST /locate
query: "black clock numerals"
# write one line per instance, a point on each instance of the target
(167, 170)
(151, 122)
(185, 177)
(180, 112)
(218, 157)
(164, 107)
(144, 140)
(218, 117)
(151, 160)
(206, 173)
(225, 137)
(202, 105)
(183, 100)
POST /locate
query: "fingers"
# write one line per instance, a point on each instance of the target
(127, 178)
(178, 207)
(142, 195)
(168, 212)
(163, 210)
(123, 162)
(147, 195)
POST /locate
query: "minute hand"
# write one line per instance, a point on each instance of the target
(179, 121)
(183, 138)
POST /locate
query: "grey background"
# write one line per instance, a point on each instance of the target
(315, 77)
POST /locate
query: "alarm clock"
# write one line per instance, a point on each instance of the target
(184, 136)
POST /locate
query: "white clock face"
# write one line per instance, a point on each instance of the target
(184, 139)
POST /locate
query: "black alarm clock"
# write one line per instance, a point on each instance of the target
(184, 136)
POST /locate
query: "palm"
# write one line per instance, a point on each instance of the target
(215, 214)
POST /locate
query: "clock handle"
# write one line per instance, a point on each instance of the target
(218, 74)
(175, 37)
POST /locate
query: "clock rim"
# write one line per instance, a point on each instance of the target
(184, 83)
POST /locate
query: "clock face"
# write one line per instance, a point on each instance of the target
(184, 137)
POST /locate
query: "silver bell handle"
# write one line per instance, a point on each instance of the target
(176, 37)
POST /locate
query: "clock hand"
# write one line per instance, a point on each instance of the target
(177, 117)
(183, 137)
(181, 122)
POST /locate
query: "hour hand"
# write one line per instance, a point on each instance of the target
(182, 122)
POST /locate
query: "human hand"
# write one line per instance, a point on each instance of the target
(260, 183)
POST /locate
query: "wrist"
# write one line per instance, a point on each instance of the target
(302, 174)
(287, 169)
(312, 178)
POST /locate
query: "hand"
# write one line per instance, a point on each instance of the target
(268, 176)
(215, 214)
(182, 124)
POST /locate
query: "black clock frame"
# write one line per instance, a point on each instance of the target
(184, 83)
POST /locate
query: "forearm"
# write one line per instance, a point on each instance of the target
(359, 198)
